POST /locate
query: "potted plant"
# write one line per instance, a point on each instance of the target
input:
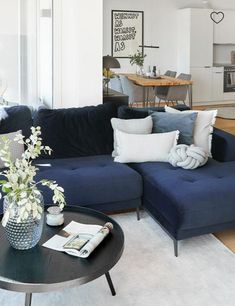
(23, 202)
(138, 60)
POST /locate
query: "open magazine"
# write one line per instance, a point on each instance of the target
(79, 239)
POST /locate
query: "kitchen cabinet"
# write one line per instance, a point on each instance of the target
(229, 96)
(217, 84)
(208, 84)
(202, 84)
(197, 36)
(224, 31)
(195, 42)
(201, 38)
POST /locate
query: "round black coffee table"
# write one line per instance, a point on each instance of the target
(41, 269)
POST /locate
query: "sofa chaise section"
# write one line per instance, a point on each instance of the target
(188, 203)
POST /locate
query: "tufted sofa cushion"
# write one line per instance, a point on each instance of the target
(190, 199)
(95, 182)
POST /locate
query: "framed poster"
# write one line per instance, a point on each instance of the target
(127, 33)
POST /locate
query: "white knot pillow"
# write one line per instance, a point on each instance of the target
(187, 157)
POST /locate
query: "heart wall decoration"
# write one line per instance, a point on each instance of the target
(217, 17)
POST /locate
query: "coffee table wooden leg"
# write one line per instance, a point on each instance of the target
(28, 299)
(109, 280)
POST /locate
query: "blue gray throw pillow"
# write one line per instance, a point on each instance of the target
(167, 122)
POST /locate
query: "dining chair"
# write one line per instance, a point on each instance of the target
(176, 93)
(115, 84)
(161, 91)
(134, 91)
(170, 73)
(179, 93)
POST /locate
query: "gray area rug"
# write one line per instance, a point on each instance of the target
(225, 112)
(148, 274)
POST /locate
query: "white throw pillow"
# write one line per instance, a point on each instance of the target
(203, 127)
(16, 149)
(133, 148)
(131, 126)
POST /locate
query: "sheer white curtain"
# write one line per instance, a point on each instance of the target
(9, 50)
(45, 52)
(26, 46)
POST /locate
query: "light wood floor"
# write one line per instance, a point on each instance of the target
(223, 124)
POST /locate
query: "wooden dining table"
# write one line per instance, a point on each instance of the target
(146, 82)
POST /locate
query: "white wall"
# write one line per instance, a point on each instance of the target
(78, 52)
(160, 28)
(215, 4)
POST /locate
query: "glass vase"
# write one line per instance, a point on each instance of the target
(26, 234)
(139, 70)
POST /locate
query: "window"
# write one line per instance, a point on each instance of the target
(26, 48)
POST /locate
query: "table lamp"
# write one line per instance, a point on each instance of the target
(109, 62)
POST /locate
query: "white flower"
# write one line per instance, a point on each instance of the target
(7, 185)
(28, 206)
(35, 213)
(36, 192)
(60, 189)
(22, 202)
(19, 184)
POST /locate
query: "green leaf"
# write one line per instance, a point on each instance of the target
(6, 190)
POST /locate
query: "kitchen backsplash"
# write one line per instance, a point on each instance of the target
(222, 53)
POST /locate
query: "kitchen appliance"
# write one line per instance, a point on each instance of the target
(229, 79)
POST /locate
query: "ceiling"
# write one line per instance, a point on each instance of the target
(215, 4)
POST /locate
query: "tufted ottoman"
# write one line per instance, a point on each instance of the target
(190, 202)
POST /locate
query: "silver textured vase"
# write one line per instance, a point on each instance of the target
(26, 234)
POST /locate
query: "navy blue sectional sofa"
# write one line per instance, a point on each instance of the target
(185, 203)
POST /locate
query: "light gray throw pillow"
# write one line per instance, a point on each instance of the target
(203, 126)
(16, 149)
(167, 122)
(131, 126)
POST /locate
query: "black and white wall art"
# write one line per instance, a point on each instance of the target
(127, 32)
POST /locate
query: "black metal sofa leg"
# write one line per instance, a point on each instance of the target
(175, 247)
(138, 208)
(175, 241)
(138, 213)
